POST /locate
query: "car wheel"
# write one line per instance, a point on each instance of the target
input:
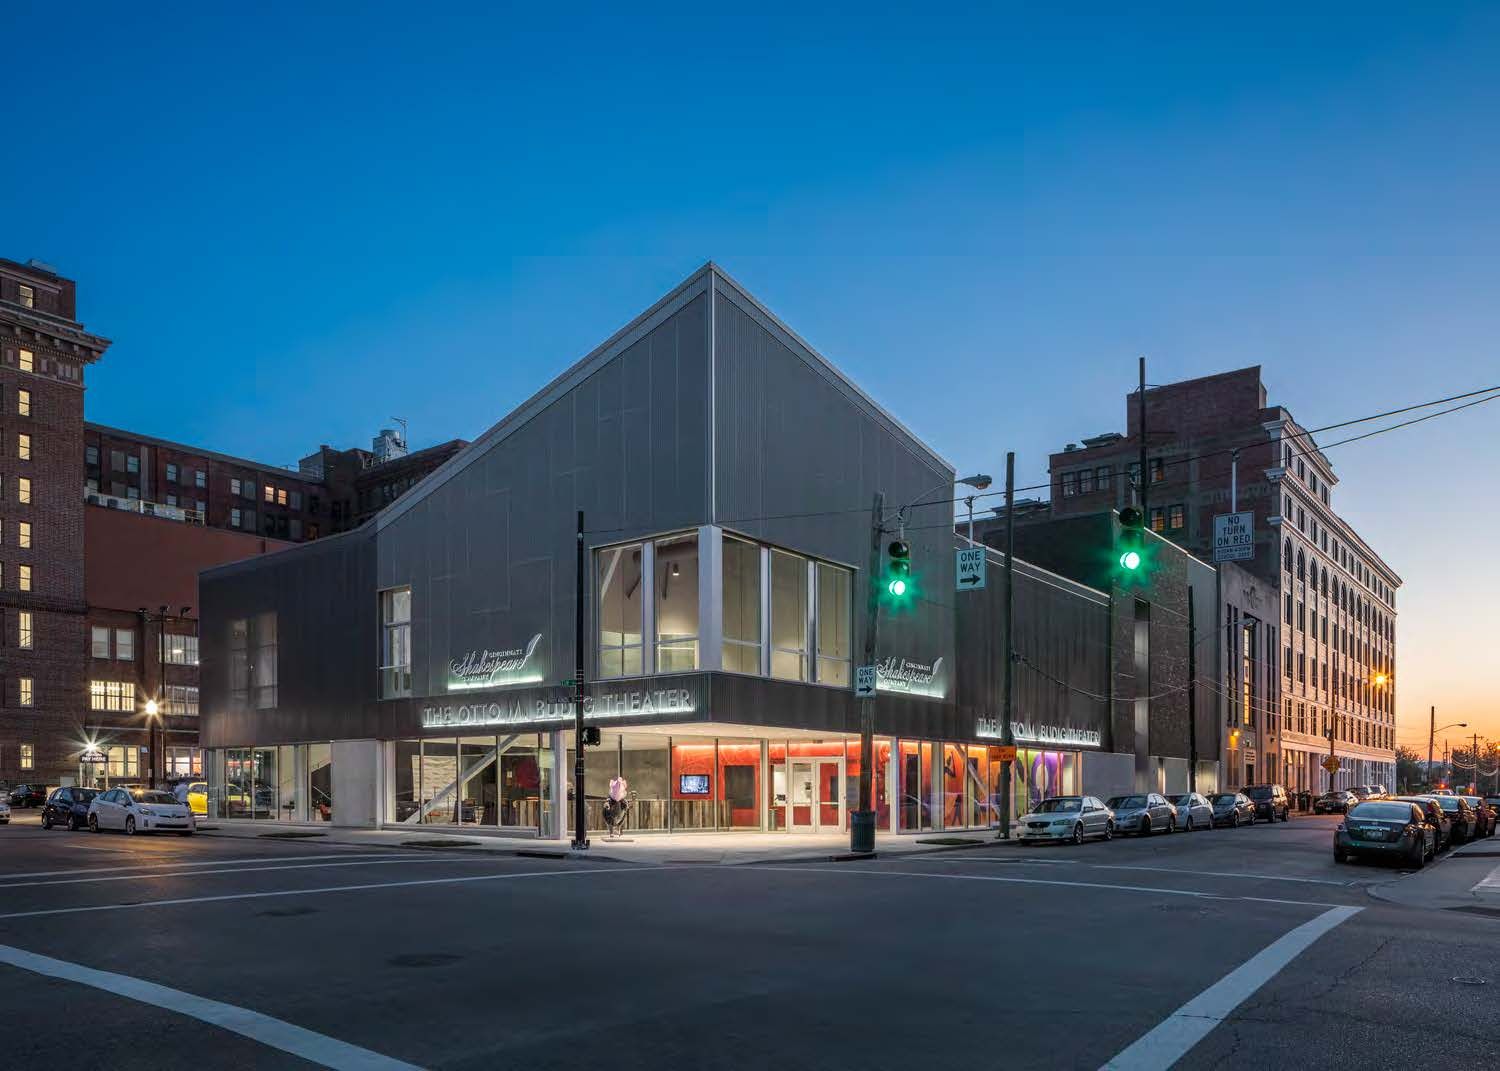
(1109, 831)
(1432, 852)
(46, 820)
(1078, 833)
(1146, 826)
(1235, 824)
(130, 824)
(93, 823)
(1340, 856)
(1419, 857)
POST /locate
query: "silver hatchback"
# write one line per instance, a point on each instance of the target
(1143, 813)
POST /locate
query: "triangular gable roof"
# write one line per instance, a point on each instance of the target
(708, 279)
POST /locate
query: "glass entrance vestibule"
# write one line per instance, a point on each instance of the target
(685, 781)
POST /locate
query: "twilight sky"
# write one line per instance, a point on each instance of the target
(295, 227)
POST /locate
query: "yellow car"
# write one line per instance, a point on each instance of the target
(197, 798)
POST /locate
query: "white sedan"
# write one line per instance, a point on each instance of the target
(139, 810)
(1070, 818)
(1193, 811)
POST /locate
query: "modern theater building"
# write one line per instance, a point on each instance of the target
(411, 671)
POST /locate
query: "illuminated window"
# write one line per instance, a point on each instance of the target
(234, 487)
(23, 402)
(23, 578)
(24, 638)
(181, 650)
(182, 700)
(27, 296)
(26, 361)
(741, 606)
(270, 493)
(676, 592)
(788, 616)
(618, 577)
(27, 694)
(23, 534)
(833, 629)
(23, 490)
(28, 756)
(1176, 517)
(1158, 470)
(395, 642)
(111, 695)
(23, 446)
(281, 496)
(1158, 520)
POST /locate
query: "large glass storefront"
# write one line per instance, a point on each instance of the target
(500, 781)
(288, 782)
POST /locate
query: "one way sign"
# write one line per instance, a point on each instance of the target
(970, 575)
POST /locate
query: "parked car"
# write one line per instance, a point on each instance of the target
(1143, 814)
(28, 795)
(1068, 818)
(142, 810)
(197, 798)
(1233, 809)
(1461, 815)
(1392, 829)
(1360, 792)
(68, 807)
(1270, 802)
(1494, 804)
(4, 811)
(1336, 802)
(1378, 792)
(1436, 817)
(1484, 814)
(1193, 811)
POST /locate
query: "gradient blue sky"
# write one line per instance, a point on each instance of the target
(297, 226)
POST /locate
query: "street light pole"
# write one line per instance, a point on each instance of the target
(1006, 735)
(1431, 733)
(580, 805)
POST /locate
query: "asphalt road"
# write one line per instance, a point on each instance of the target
(1245, 948)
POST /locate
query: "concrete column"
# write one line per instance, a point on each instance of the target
(358, 782)
(560, 776)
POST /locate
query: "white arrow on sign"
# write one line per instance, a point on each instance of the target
(969, 573)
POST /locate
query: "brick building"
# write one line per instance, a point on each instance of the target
(102, 535)
(360, 483)
(43, 352)
(1334, 650)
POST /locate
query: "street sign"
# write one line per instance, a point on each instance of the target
(970, 574)
(864, 682)
(1331, 764)
(1234, 537)
(1005, 753)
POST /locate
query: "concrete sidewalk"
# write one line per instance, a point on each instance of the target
(1466, 879)
(697, 848)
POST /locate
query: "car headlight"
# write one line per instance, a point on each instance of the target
(146, 811)
(1062, 821)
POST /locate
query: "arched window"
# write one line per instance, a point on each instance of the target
(1301, 565)
(1286, 556)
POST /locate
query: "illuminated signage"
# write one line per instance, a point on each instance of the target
(658, 702)
(1030, 732)
(911, 678)
(495, 669)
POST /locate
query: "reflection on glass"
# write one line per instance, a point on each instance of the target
(621, 610)
(693, 783)
(320, 782)
(520, 782)
(479, 796)
(406, 776)
(677, 604)
(776, 803)
(739, 784)
(741, 606)
(788, 616)
(833, 624)
(954, 770)
(440, 803)
(286, 785)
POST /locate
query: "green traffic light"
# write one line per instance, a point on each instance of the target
(1130, 560)
(897, 587)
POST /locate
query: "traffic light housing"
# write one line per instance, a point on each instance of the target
(1133, 554)
(898, 570)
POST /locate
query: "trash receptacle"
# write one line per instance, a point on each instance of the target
(862, 831)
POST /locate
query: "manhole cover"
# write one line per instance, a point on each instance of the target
(1461, 980)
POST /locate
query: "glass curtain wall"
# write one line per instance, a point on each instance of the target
(676, 590)
(834, 636)
(788, 616)
(320, 782)
(621, 610)
(741, 599)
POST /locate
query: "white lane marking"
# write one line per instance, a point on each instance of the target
(275, 1033)
(1491, 882)
(245, 860)
(232, 870)
(328, 889)
(1170, 1040)
(1156, 869)
(840, 869)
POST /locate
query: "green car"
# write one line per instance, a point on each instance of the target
(1392, 829)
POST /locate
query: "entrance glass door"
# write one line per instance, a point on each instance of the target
(815, 797)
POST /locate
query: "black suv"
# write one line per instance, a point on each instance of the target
(68, 807)
(28, 795)
(1270, 801)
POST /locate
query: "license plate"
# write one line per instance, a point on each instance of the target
(1373, 834)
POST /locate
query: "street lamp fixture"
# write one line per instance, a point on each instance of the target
(151, 708)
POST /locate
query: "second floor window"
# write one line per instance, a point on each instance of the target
(252, 661)
(741, 599)
(1158, 520)
(676, 604)
(112, 695)
(395, 642)
(99, 642)
(171, 473)
(1176, 517)
(621, 611)
(181, 650)
(125, 644)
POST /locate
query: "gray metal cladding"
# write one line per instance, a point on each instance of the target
(489, 554)
(799, 455)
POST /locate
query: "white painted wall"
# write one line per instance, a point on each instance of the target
(358, 782)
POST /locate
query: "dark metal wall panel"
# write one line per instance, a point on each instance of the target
(799, 457)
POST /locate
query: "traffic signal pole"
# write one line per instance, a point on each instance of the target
(1006, 735)
(867, 703)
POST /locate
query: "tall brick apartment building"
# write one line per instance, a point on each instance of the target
(1331, 655)
(102, 535)
(43, 352)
